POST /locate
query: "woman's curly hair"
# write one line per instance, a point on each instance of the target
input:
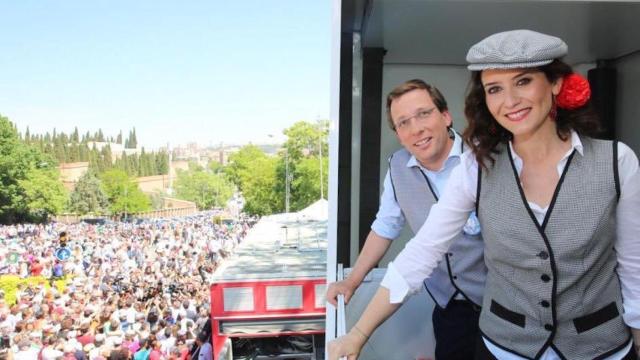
(484, 133)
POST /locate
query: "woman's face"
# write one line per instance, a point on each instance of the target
(519, 99)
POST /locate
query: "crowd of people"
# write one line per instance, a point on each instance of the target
(134, 290)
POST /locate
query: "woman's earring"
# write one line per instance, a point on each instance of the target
(553, 113)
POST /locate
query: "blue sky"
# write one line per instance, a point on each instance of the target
(204, 71)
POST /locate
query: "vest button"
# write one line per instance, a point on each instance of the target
(455, 277)
(544, 303)
(543, 255)
(548, 327)
(545, 278)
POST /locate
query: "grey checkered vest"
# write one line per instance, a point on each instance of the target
(553, 284)
(463, 270)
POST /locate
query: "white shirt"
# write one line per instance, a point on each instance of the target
(421, 255)
(50, 353)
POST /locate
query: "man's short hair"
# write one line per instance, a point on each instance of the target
(415, 84)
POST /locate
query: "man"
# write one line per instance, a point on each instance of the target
(205, 351)
(418, 114)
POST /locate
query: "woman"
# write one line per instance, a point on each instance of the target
(552, 202)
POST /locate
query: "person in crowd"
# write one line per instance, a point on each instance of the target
(418, 115)
(143, 352)
(557, 210)
(112, 300)
(205, 351)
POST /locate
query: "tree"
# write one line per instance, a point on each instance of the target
(162, 163)
(88, 196)
(123, 193)
(23, 170)
(132, 141)
(215, 167)
(207, 190)
(305, 186)
(305, 142)
(44, 194)
(259, 188)
(241, 163)
(75, 137)
(304, 139)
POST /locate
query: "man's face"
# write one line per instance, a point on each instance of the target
(421, 128)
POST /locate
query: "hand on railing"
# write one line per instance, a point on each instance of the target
(338, 288)
(347, 345)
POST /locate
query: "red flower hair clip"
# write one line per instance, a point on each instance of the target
(574, 93)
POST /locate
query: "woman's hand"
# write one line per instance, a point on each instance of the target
(348, 345)
(636, 340)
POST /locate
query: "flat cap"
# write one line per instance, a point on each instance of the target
(515, 49)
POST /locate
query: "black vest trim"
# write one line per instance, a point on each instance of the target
(555, 194)
(428, 183)
(433, 297)
(597, 318)
(393, 187)
(560, 354)
(615, 350)
(552, 260)
(485, 336)
(616, 175)
(453, 282)
(508, 315)
(599, 357)
(478, 187)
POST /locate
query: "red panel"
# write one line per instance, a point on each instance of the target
(259, 297)
(260, 311)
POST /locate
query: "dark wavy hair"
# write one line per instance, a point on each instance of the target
(484, 133)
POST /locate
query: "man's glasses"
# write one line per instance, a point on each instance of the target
(421, 115)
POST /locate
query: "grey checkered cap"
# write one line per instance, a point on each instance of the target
(515, 49)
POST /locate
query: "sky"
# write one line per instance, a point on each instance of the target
(209, 72)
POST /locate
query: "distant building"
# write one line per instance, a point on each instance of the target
(70, 173)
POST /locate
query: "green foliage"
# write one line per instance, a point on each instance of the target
(132, 141)
(24, 169)
(43, 192)
(206, 189)
(254, 173)
(240, 164)
(259, 188)
(305, 142)
(123, 193)
(88, 196)
(304, 139)
(305, 185)
(262, 179)
(75, 148)
(215, 167)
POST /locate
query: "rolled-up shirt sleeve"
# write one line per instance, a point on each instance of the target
(422, 253)
(628, 242)
(389, 219)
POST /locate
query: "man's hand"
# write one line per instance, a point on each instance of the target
(344, 287)
(348, 345)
